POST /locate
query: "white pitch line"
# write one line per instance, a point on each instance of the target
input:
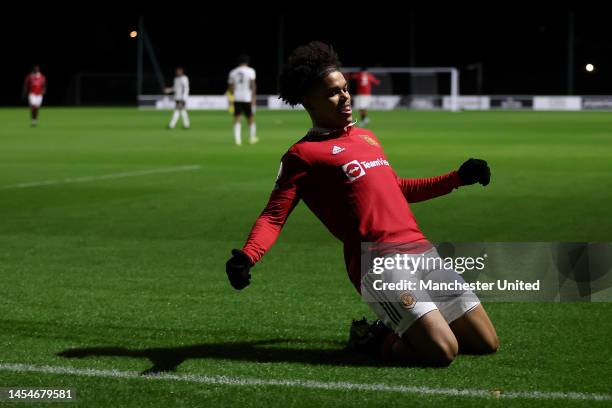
(308, 384)
(103, 177)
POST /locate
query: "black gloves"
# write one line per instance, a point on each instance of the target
(237, 268)
(474, 171)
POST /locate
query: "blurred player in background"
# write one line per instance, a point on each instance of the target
(35, 86)
(181, 93)
(241, 90)
(364, 81)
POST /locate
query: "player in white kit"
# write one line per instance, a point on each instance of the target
(181, 93)
(241, 85)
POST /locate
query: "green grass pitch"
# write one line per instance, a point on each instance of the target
(134, 266)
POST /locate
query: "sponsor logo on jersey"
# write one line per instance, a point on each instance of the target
(375, 163)
(337, 149)
(353, 170)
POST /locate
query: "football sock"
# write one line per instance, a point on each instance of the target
(237, 138)
(175, 117)
(185, 117)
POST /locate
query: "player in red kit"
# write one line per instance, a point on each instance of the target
(35, 86)
(343, 175)
(364, 81)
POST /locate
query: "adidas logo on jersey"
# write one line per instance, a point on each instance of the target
(337, 149)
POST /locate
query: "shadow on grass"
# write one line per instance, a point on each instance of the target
(169, 358)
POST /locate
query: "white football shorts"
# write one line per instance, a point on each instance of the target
(35, 100)
(362, 101)
(400, 308)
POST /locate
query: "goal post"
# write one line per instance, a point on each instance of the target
(417, 87)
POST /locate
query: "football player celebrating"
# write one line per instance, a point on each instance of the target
(35, 86)
(342, 174)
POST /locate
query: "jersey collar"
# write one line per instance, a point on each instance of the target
(319, 131)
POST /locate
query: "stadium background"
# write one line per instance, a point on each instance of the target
(114, 230)
(524, 53)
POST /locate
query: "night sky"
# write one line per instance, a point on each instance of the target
(521, 52)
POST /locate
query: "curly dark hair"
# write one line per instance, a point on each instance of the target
(307, 64)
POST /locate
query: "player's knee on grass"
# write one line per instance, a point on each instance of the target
(475, 332)
(490, 343)
(430, 341)
(441, 351)
(486, 343)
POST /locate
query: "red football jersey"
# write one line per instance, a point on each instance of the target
(364, 81)
(346, 180)
(36, 83)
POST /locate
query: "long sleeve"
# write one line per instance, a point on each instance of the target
(186, 88)
(422, 189)
(283, 200)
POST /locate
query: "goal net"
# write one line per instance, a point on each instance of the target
(413, 88)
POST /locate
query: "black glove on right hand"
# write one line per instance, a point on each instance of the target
(237, 268)
(474, 171)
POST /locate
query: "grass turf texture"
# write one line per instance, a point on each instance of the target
(138, 262)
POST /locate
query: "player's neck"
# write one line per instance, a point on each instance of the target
(319, 129)
(327, 125)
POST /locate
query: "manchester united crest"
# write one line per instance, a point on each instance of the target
(408, 300)
(369, 140)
